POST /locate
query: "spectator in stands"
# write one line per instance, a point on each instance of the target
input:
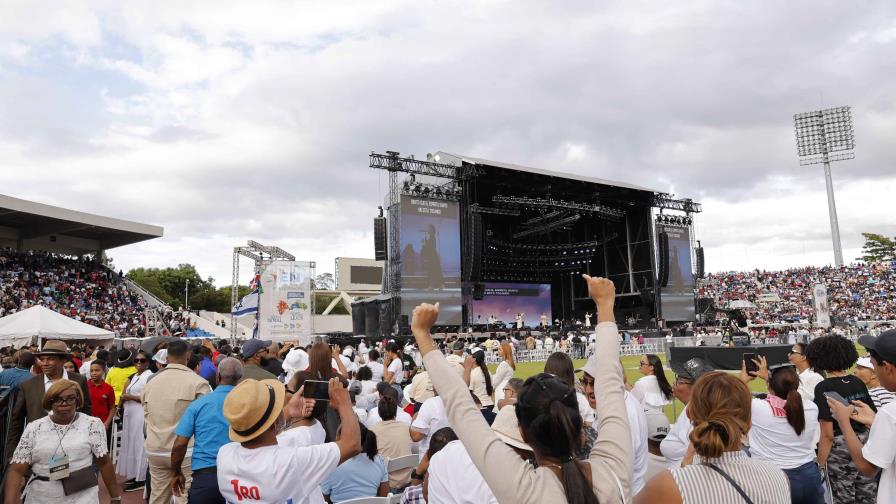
(132, 459)
(720, 409)
(203, 421)
(254, 353)
(429, 419)
(548, 416)
(102, 397)
(809, 378)
(653, 389)
(12, 377)
(676, 443)
(864, 371)
(255, 464)
(478, 378)
(657, 430)
(79, 437)
(420, 389)
(878, 455)
(121, 371)
(834, 355)
(393, 438)
(560, 365)
(165, 398)
(28, 406)
(783, 431)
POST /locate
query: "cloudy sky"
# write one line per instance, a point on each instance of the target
(227, 121)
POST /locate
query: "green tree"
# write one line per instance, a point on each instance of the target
(878, 248)
(169, 283)
(324, 281)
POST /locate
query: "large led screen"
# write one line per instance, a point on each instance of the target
(505, 300)
(430, 256)
(677, 298)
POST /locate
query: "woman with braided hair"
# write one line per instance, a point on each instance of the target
(716, 469)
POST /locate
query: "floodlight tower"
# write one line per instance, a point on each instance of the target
(823, 136)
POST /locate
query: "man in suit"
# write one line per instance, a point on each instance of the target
(27, 406)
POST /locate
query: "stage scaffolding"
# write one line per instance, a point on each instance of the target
(257, 252)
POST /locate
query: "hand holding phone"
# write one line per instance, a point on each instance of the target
(317, 390)
(836, 397)
(749, 364)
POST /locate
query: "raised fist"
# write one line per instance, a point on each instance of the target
(424, 317)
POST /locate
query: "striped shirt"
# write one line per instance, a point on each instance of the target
(762, 481)
(881, 396)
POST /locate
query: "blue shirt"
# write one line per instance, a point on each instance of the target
(207, 369)
(12, 377)
(204, 420)
(356, 477)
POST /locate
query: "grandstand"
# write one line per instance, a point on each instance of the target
(54, 257)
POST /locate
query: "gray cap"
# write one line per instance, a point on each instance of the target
(252, 347)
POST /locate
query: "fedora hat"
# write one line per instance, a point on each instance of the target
(507, 428)
(252, 407)
(53, 347)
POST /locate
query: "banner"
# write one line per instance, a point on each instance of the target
(822, 308)
(430, 256)
(286, 301)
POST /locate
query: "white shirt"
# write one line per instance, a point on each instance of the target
(303, 435)
(267, 475)
(655, 465)
(397, 369)
(585, 408)
(373, 417)
(430, 417)
(456, 361)
(808, 380)
(85, 368)
(880, 450)
(453, 479)
(637, 420)
(675, 446)
(49, 383)
(647, 391)
(377, 370)
(477, 385)
(773, 439)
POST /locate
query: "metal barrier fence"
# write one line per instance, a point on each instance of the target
(575, 351)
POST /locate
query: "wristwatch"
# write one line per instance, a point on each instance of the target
(417, 476)
(115, 499)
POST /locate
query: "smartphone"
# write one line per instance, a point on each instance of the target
(749, 364)
(317, 390)
(837, 397)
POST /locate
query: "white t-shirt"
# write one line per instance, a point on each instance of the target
(773, 439)
(808, 380)
(453, 479)
(303, 436)
(477, 385)
(647, 391)
(376, 369)
(373, 417)
(675, 445)
(585, 408)
(880, 450)
(397, 369)
(655, 465)
(637, 420)
(267, 475)
(430, 417)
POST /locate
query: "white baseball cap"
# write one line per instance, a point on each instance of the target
(865, 362)
(657, 425)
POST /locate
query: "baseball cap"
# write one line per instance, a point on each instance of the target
(458, 345)
(657, 424)
(691, 369)
(252, 347)
(865, 362)
(883, 345)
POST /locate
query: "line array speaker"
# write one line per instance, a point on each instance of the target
(379, 238)
(663, 250)
(476, 256)
(701, 262)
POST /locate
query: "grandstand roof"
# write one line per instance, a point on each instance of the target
(28, 225)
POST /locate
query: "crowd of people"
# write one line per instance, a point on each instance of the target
(270, 423)
(856, 292)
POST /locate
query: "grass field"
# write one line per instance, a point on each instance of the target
(630, 364)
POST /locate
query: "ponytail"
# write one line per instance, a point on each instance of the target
(479, 356)
(720, 411)
(784, 383)
(548, 414)
(796, 417)
(368, 442)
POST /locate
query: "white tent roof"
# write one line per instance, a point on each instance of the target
(20, 329)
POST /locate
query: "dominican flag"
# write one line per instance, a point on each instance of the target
(255, 284)
(247, 305)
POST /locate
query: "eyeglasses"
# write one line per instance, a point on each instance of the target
(587, 382)
(683, 381)
(65, 401)
(794, 352)
(140, 360)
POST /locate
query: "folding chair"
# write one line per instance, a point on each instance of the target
(369, 500)
(404, 462)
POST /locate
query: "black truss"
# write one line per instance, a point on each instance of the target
(667, 201)
(391, 161)
(603, 211)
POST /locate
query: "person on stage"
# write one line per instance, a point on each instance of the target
(519, 320)
(544, 321)
(587, 319)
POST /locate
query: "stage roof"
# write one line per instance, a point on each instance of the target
(457, 158)
(29, 225)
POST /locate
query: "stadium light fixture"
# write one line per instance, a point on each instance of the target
(823, 136)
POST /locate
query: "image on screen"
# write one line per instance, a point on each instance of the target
(505, 300)
(430, 256)
(677, 298)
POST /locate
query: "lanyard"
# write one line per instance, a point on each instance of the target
(62, 436)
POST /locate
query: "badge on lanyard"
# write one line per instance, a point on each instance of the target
(58, 467)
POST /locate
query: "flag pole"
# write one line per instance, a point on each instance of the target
(258, 290)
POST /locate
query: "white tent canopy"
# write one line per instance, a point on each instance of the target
(38, 322)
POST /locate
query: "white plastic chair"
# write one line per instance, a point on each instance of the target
(370, 500)
(404, 462)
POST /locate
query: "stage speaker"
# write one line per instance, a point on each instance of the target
(358, 315)
(646, 296)
(663, 252)
(371, 319)
(478, 291)
(704, 305)
(386, 319)
(701, 262)
(379, 238)
(476, 248)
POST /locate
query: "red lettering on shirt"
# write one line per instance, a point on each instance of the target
(245, 492)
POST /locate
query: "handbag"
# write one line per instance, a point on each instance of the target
(730, 480)
(79, 480)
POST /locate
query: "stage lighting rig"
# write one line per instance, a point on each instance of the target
(546, 228)
(823, 136)
(666, 201)
(542, 203)
(476, 208)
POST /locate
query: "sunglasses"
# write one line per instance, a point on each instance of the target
(141, 360)
(794, 352)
